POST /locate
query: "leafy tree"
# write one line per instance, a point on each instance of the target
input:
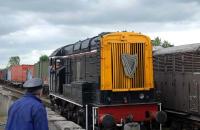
(44, 58)
(14, 60)
(166, 44)
(158, 42)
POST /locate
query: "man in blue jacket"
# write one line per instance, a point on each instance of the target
(28, 112)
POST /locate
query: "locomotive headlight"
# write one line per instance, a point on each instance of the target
(141, 96)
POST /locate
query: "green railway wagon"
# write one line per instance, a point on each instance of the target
(41, 71)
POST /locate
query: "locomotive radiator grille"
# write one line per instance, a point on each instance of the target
(121, 82)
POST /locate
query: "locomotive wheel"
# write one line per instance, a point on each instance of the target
(143, 127)
(80, 117)
(52, 106)
(60, 111)
(69, 115)
(80, 120)
(96, 128)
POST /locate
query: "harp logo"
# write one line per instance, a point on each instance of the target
(129, 63)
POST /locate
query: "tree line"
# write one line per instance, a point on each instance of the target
(158, 42)
(15, 60)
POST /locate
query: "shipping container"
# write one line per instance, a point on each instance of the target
(36, 70)
(41, 71)
(4, 74)
(1, 74)
(21, 73)
(9, 74)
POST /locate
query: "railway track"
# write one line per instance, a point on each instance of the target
(18, 92)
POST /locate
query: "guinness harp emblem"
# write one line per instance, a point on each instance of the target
(129, 63)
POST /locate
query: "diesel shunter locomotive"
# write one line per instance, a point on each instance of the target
(105, 82)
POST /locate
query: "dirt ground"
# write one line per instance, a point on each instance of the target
(2, 122)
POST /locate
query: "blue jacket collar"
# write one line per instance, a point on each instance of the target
(32, 96)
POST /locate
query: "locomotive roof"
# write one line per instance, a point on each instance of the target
(178, 49)
(59, 51)
(56, 52)
(80, 46)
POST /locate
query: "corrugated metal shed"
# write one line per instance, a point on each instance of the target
(178, 49)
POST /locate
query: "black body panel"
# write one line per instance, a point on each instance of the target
(80, 92)
(109, 97)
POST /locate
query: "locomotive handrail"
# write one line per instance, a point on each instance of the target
(72, 55)
(66, 99)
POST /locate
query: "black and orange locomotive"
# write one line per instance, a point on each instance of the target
(105, 82)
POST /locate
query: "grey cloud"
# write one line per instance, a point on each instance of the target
(27, 25)
(11, 22)
(24, 13)
(44, 5)
(103, 11)
(146, 11)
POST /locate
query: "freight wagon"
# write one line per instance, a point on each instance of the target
(177, 79)
(3, 74)
(18, 74)
(41, 70)
(106, 82)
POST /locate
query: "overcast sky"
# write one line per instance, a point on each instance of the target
(30, 28)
